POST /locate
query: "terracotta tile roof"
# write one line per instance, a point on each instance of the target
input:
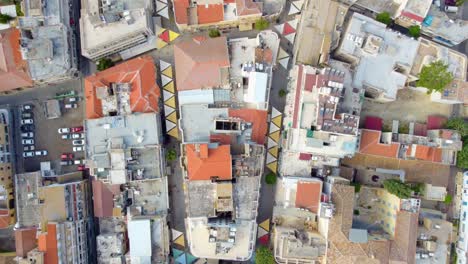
(140, 72)
(47, 243)
(211, 13)
(4, 218)
(25, 241)
(258, 118)
(370, 144)
(198, 62)
(181, 11)
(13, 69)
(248, 7)
(426, 153)
(403, 248)
(203, 163)
(103, 196)
(308, 195)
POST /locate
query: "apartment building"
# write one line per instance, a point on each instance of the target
(7, 199)
(462, 243)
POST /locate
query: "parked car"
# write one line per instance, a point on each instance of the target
(27, 107)
(26, 115)
(66, 162)
(27, 121)
(77, 135)
(66, 136)
(27, 141)
(78, 162)
(27, 135)
(69, 106)
(78, 142)
(28, 148)
(27, 128)
(77, 149)
(73, 99)
(63, 130)
(451, 9)
(81, 167)
(28, 154)
(66, 156)
(41, 152)
(77, 129)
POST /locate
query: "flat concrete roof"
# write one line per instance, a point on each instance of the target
(196, 121)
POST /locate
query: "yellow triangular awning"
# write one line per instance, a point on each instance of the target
(174, 133)
(173, 35)
(180, 241)
(172, 117)
(273, 166)
(168, 72)
(274, 151)
(265, 225)
(171, 102)
(275, 136)
(160, 43)
(169, 87)
(277, 121)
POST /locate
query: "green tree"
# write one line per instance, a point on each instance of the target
(398, 188)
(264, 255)
(4, 18)
(435, 77)
(356, 212)
(104, 63)
(282, 93)
(214, 33)
(384, 17)
(171, 155)
(460, 2)
(270, 178)
(261, 24)
(357, 186)
(19, 12)
(462, 156)
(448, 199)
(414, 31)
(403, 129)
(458, 124)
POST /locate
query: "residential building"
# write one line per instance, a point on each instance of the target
(462, 243)
(7, 199)
(111, 243)
(382, 58)
(439, 146)
(14, 73)
(296, 216)
(352, 241)
(444, 29)
(48, 42)
(25, 241)
(8, 8)
(129, 87)
(434, 193)
(413, 13)
(434, 239)
(321, 120)
(61, 213)
(112, 26)
(193, 15)
(455, 92)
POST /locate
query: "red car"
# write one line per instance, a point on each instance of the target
(77, 129)
(66, 156)
(81, 167)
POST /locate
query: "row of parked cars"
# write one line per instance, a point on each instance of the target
(27, 133)
(67, 159)
(74, 133)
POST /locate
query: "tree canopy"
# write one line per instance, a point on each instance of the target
(261, 24)
(384, 17)
(398, 188)
(458, 124)
(104, 63)
(414, 31)
(270, 178)
(264, 255)
(462, 156)
(4, 18)
(435, 77)
(214, 33)
(171, 155)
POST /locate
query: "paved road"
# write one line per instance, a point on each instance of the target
(463, 47)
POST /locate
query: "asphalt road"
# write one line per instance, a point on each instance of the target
(463, 47)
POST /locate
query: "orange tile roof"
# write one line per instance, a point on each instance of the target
(370, 144)
(47, 243)
(198, 62)
(248, 7)
(25, 241)
(203, 163)
(258, 118)
(140, 72)
(426, 153)
(4, 218)
(308, 195)
(212, 13)
(13, 69)
(181, 11)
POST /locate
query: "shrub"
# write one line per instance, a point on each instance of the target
(448, 199)
(261, 24)
(458, 124)
(171, 155)
(214, 33)
(270, 178)
(264, 255)
(282, 93)
(4, 19)
(356, 212)
(384, 17)
(414, 31)
(398, 188)
(104, 63)
(19, 12)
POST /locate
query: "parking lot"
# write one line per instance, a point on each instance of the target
(46, 136)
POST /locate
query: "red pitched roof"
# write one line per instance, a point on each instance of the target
(374, 123)
(181, 11)
(370, 144)
(426, 153)
(204, 163)
(4, 218)
(212, 13)
(25, 241)
(248, 7)
(258, 118)
(47, 242)
(308, 195)
(198, 62)
(13, 69)
(140, 72)
(103, 198)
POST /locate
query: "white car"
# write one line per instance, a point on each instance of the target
(27, 107)
(41, 152)
(78, 142)
(27, 141)
(27, 135)
(63, 130)
(28, 154)
(66, 136)
(27, 121)
(69, 106)
(77, 149)
(78, 162)
(28, 148)
(77, 135)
